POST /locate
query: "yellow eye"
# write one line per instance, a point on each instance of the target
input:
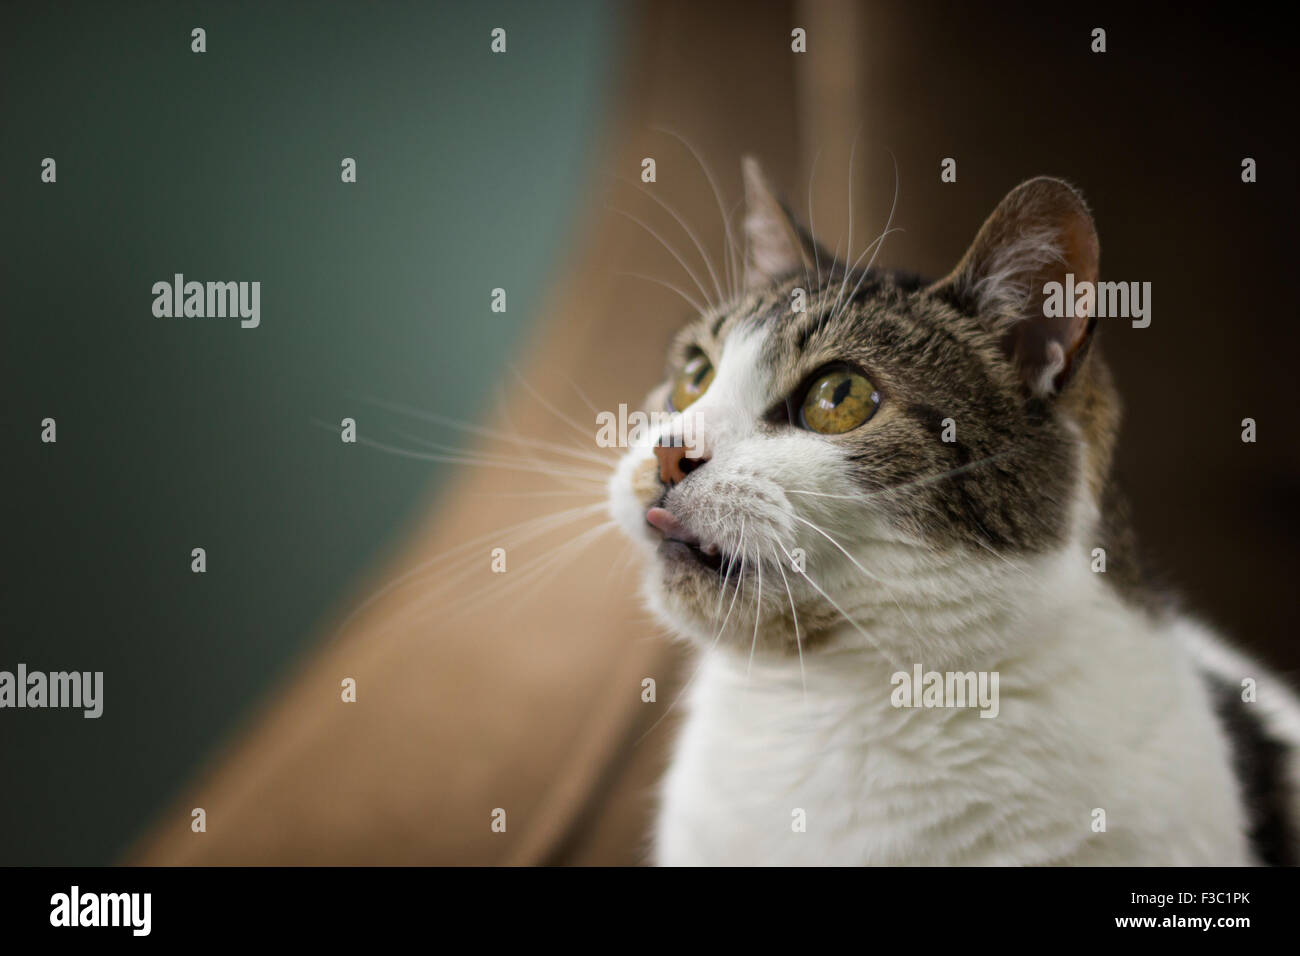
(839, 401)
(691, 382)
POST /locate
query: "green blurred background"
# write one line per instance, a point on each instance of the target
(183, 433)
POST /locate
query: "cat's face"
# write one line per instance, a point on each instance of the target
(893, 445)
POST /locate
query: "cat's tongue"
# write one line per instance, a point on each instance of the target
(666, 522)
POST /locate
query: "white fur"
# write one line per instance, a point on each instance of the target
(1097, 710)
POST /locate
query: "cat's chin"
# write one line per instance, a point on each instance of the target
(689, 599)
(690, 555)
(684, 595)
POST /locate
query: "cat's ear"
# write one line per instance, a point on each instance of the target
(775, 243)
(1040, 233)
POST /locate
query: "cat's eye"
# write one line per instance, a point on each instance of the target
(691, 382)
(838, 401)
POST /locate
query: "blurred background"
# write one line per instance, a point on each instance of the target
(521, 171)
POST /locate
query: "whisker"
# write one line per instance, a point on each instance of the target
(708, 262)
(732, 268)
(438, 602)
(534, 574)
(560, 472)
(712, 644)
(900, 486)
(722, 588)
(812, 225)
(998, 554)
(829, 600)
(671, 251)
(839, 307)
(857, 565)
(667, 285)
(582, 395)
(758, 615)
(456, 459)
(738, 281)
(794, 616)
(892, 208)
(538, 494)
(585, 432)
(569, 514)
(412, 609)
(411, 411)
(565, 469)
(879, 243)
(848, 252)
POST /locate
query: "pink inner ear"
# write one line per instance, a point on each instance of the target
(1041, 233)
(1040, 355)
(1047, 346)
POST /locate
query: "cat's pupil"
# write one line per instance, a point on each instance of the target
(841, 392)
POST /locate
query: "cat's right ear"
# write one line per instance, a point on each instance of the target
(776, 245)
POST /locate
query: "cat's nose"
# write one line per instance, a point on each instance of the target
(674, 464)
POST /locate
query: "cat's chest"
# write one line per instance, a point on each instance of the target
(1077, 766)
(767, 776)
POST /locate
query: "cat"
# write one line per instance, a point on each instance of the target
(906, 476)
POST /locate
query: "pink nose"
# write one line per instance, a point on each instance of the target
(674, 465)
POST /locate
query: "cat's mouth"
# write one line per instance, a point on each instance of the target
(680, 544)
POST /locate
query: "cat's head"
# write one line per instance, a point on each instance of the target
(886, 454)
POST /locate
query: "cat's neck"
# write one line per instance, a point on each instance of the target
(953, 615)
(1066, 630)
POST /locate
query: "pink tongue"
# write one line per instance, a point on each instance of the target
(663, 520)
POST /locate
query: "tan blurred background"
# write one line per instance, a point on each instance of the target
(479, 691)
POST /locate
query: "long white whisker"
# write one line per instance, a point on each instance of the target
(564, 469)
(558, 470)
(585, 432)
(758, 613)
(794, 615)
(671, 251)
(712, 643)
(717, 195)
(892, 208)
(582, 395)
(900, 486)
(722, 589)
(708, 262)
(667, 285)
(535, 574)
(458, 459)
(841, 612)
(872, 247)
(993, 551)
(877, 245)
(602, 493)
(856, 564)
(546, 522)
(848, 252)
(411, 411)
(812, 225)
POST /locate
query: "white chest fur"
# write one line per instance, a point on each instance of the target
(1103, 721)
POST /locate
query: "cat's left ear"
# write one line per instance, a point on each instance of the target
(1040, 233)
(776, 245)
